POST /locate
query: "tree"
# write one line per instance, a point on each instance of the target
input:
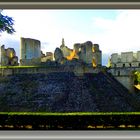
(137, 77)
(6, 24)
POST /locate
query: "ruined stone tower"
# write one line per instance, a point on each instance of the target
(30, 51)
(89, 53)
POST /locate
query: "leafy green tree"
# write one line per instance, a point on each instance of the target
(6, 24)
(137, 77)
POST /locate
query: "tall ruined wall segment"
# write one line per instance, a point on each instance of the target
(86, 52)
(8, 57)
(30, 51)
(97, 54)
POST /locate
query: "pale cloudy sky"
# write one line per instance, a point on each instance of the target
(114, 30)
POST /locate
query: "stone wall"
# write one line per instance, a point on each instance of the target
(127, 82)
(97, 54)
(125, 76)
(126, 59)
(89, 52)
(138, 56)
(30, 50)
(123, 66)
(30, 62)
(78, 70)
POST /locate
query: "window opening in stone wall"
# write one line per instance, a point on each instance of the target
(123, 65)
(118, 73)
(130, 64)
(139, 64)
(9, 63)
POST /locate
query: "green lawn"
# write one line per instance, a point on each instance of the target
(17, 67)
(70, 113)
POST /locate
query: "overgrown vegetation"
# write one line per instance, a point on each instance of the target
(69, 113)
(136, 77)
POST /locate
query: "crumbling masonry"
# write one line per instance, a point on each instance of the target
(8, 57)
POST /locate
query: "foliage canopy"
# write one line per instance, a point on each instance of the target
(6, 24)
(137, 77)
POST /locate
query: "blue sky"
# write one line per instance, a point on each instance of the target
(114, 30)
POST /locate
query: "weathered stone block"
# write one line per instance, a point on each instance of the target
(127, 64)
(138, 56)
(119, 65)
(127, 57)
(114, 58)
(135, 64)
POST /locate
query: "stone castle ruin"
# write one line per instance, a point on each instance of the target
(123, 66)
(125, 59)
(30, 53)
(87, 53)
(8, 57)
(82, 58)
